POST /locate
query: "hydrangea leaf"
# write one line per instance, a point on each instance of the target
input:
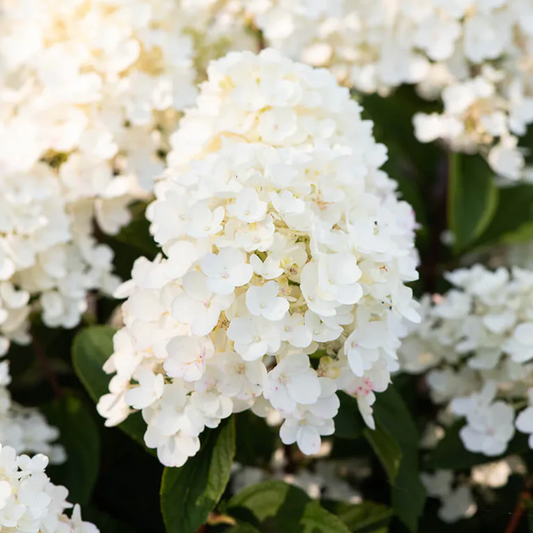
(79, 435)
(513, 219)
(408, 493)
(472, 198)
(386, 448)
(274, 506)
(189, 493)
(90, 350)
(256, 440)
(366, 517)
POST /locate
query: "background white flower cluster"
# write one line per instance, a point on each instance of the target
(284, 245)
(474, 56)
(30, 502)
(89, 90)
(476, 342)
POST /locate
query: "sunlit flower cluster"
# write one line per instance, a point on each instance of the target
(476, 342)
(25, 429)
(89, 90)
(285, 256)
(474, 55)
(30, 502)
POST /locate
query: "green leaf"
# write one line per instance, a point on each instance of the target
(255, 439)
(189, 493)
(513, 217)
(366, 517)
(275, 507)
(386, 448)
(79, 435)
(472, 198)
(451, 454)
(90, 350)
(408, 493)
(348, 422)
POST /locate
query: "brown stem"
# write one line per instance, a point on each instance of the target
(518, 513)
(45, 366)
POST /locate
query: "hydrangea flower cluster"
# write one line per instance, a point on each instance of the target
(30, 502)
(455, 502)
(475, 55)
(25, 429)
(476, 342)
(285, 250)
(80, 142)
(458, 493)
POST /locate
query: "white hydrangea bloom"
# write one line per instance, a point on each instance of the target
(476, 56)
(476, 343)
(80, 142)
(281, 238)
(30, 502)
